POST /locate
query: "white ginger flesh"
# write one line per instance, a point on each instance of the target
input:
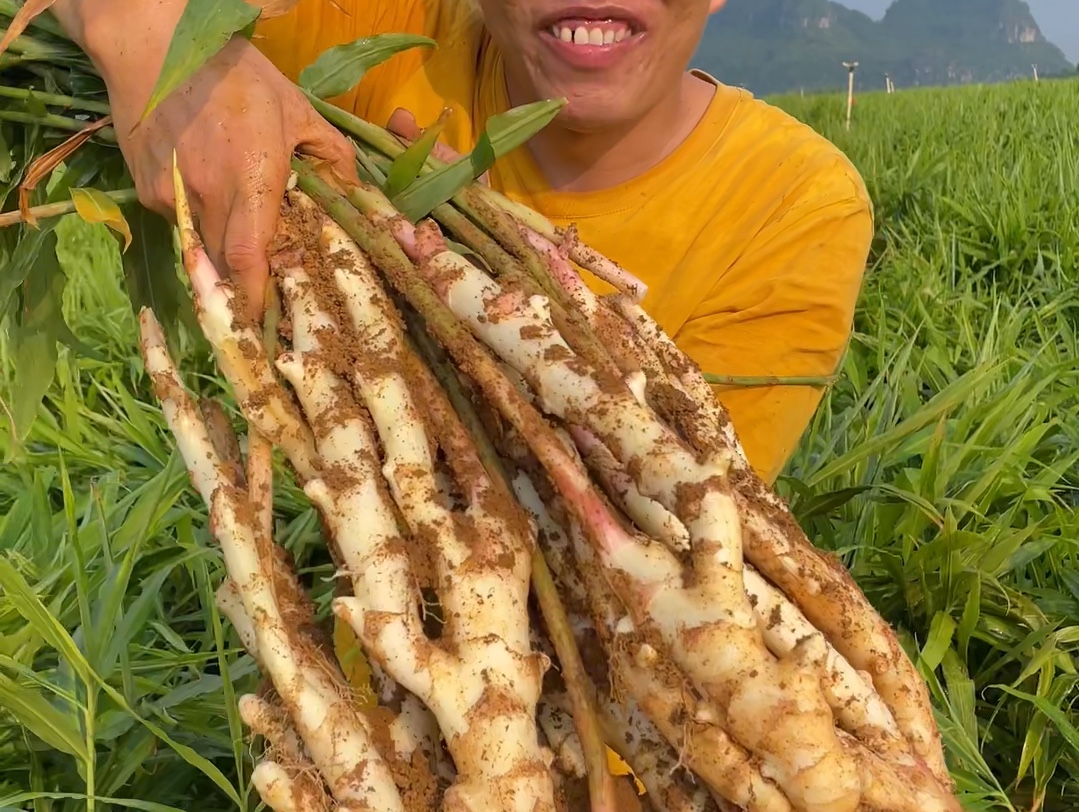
(855, 703)
(766, 688)
(480, 679)
(630, 732)
(733, 665)
(822, 588)
(638, 676)
(285, 777)
(335, 735)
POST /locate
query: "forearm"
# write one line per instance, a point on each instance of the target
(125, 40)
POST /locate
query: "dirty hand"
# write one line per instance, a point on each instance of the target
(234, 128)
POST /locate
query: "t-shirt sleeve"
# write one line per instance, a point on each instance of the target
(296, 39)
(785, 308)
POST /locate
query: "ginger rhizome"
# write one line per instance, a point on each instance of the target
(470, 422)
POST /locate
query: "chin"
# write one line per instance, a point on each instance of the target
(591, 109)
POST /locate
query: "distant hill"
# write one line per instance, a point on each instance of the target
(775, 46)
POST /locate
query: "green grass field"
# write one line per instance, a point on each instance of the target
(943, 467)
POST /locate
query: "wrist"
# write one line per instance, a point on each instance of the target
(125, 40)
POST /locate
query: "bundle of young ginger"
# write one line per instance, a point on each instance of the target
(477, 429)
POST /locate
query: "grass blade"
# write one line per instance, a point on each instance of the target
(35, 712)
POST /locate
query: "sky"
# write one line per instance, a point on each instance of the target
(1058, 20)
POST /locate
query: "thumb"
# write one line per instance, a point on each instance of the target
(321, 140)
(403, 124)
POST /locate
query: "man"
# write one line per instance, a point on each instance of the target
(750, 230)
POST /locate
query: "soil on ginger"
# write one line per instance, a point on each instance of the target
(298, 243)
(418, 785)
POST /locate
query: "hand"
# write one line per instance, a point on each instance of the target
(234, 127)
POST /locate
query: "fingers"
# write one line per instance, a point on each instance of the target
(322, 141)
(250, 227)
(403, 124)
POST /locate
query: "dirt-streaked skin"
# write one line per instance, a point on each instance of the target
(719, 637)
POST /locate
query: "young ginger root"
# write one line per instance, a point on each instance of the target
(730, 663)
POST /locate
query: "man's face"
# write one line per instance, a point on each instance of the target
(612, 61)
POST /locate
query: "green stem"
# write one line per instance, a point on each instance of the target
(43, 51)
(24, 43)
(58, 123)
(385, 142)
(568, 320)
(370, 134)
(54, 100)
(59, 209)
(768, 380)
(499, 222)
(464, 229)
(91, 748)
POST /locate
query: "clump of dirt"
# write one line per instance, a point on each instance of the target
(418, 785)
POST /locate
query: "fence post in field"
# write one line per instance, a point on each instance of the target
(850, 66)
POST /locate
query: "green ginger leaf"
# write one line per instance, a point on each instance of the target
(204, 28)
(407, 166)
(340, 68)
(504, 133)
(150, 272)
(35, 337)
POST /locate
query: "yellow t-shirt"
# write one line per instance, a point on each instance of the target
(752, 236)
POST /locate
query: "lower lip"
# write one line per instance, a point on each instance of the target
(591, 57)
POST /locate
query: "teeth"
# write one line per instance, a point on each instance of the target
(581, 35)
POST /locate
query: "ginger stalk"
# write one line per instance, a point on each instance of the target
(481, 307)
(814, 766)
(641, 671)
(584, 714)
(710, 628)
(335, 735)
(536, 279)
(602, 796)
(820, 588)
(728, 660)
(480, 679)
(629, 732)
(259, 471)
